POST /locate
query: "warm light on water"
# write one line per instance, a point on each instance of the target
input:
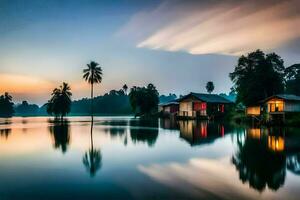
(131, 159)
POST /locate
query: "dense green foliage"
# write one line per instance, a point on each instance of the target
(258, 76)
(144, 100)
(26, 109)
(210, 87)
(293, 79)
(60, 103)
(115, 102)
(6, 105)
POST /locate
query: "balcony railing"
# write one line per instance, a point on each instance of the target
(187, 113)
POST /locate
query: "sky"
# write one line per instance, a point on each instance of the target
(176, 45)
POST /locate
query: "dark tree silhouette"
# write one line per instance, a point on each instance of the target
(144, 100)
(210, 87)
(6, 105)
(26, 109)
(292, 75)
(92, 159)
(113, 102)
(60, 103)
(93, 75)
(125, 88)
(61, 134)
(258, 76)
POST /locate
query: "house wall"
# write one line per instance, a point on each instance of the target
(171, 108)
(292, 106)
(279, 105)
(160, 108)
(167, 109)
(186, 107)
(253, 110)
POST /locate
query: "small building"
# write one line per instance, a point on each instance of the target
(280, 106)
(198, 105)
(282, 103)
(171, 107)
(254, 110)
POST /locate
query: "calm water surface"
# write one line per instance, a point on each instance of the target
(125, 158)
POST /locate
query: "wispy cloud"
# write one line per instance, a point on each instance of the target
(221, 27)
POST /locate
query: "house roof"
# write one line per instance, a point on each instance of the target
(210, 98)
(172, 102)
(289, 97)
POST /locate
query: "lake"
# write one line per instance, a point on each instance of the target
(126, 158)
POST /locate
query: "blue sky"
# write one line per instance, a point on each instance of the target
(177, 45)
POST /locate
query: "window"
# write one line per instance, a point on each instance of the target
(221, 108)
(276, 106)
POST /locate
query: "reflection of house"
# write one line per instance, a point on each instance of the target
(276, 143)
(169, 123)
(271, 137)
(196, 132)
(197, 105)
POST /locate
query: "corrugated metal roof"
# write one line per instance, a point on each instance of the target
(210, 98)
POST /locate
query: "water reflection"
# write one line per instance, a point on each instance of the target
(92, 159)
(169, 123)
(166, 162)
(260, 160)
(145, 131)
(293, 163)
(5, 132)
(200, 132)
(60, 131)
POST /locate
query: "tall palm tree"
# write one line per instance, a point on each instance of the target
(125, 88)
(93, 75)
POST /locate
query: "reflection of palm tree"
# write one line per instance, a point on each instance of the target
(259, 166)
(92, 74)
(5, 132)
(92, 159)
(61, 134)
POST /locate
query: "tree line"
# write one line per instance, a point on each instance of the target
(258, 76)
(255, 77)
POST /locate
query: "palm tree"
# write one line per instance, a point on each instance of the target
(6, 105)
(60, 102)
(125, 88)
(210, 87)
(7, 97)
(92, 74)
